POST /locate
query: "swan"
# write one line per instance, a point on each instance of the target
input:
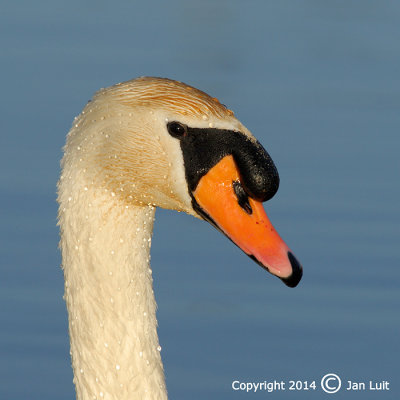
(141, 144)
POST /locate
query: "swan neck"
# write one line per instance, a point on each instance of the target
(110, 300)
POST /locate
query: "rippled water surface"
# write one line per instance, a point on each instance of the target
(318, 84)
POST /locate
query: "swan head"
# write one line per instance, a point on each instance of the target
(155, 141)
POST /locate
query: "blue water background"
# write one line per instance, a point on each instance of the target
(318, 83)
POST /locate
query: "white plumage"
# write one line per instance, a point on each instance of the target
(120, 163)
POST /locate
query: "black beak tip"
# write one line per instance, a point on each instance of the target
(294, 279)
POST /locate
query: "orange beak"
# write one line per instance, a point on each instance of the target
(243, 219)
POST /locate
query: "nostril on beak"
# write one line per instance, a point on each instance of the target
(243, 198)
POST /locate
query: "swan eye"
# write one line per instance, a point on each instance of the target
(176, 129)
